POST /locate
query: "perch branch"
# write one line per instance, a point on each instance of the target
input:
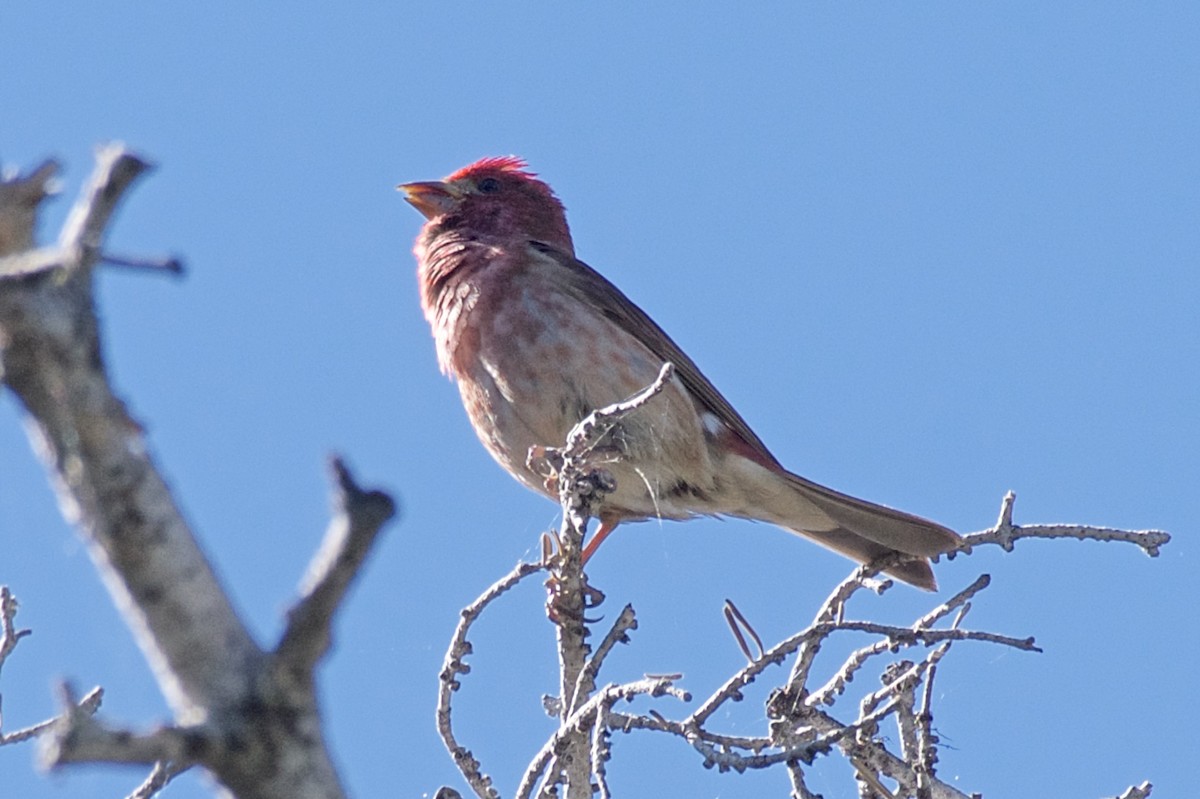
(580, 487)
(576, 754)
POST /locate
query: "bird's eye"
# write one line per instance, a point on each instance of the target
(488, 186)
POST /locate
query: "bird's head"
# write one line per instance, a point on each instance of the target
(492, 197)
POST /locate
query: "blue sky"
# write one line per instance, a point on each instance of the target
(932, 252)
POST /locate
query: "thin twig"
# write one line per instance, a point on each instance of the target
(655, 722)
(1137, 791)
(837, 683)
(626, 620)
(88, 705)
(799, 789)
(833, 609)
(899, 636)
(737, 622)
(953, 603)
(9, 634)
(926, 756)
(1005, 534)
(586, 436)
(162, 773)
(454, 664)
(600, 754)
(726, 760)
(906, 636)
(170, 264)
(584, 717)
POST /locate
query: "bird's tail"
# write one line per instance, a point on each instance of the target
(856, 528)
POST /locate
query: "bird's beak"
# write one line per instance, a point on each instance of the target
(432, 198)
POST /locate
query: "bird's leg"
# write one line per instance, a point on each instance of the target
(607, 525)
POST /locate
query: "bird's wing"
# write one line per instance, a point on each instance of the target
(593, 289)
(855, 527)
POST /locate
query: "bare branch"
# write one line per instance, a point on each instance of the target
(655, 722)
(88, 705)
(359, 517)
(261, 735)
(116, 170)
(617, 634)
(76, 737)
(455, 664)
(582, 719)
(799, 789)
(171, 264)
(833, 609)
(906, 636)
(9, 634)
(897, 636)
(959, 600)
(585, 436)
(837, 683)
(579, 487)
(737, 622)
(1005, 534)
(600, 755)
(80, 240)
(21, 198)
(161, 774)
(926, 753)
(106, 479)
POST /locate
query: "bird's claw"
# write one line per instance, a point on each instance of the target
(557, 609)
(592, 597)
(551, 548)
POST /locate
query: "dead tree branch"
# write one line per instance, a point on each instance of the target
(803, 725)
(455, 665)
(9, 637)
(246, 714)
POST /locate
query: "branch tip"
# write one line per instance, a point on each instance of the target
(171, 264)
(376, 504)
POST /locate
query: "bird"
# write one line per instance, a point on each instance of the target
(536, 339)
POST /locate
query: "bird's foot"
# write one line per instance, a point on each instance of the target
(562, 605)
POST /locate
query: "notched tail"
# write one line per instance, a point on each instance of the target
(863, 530)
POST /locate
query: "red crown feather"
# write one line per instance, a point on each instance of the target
(501, 163)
